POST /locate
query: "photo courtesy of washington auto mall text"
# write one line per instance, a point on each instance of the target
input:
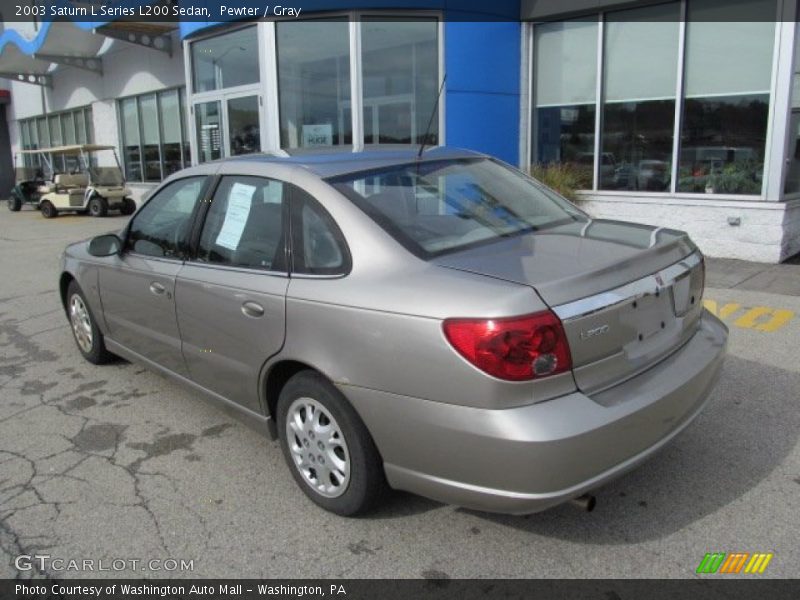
(208, 589)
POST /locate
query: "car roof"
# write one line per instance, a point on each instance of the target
(333, 162)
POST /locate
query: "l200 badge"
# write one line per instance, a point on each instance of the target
(594, 332)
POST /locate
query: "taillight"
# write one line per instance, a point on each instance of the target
(516, 348)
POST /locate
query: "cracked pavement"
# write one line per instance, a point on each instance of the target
(118, 462)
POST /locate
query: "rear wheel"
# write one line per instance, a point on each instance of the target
(14, 203)
(84, 327)
(47, 209)
(128, 206)
(330, 453)
(98, 207)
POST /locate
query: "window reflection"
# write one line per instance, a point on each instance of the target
(209, 131)
(130, 140)
(226, 60)
(565, 84)
(150, 138)
(722, 146)
(641, 57)
(728, 78)
(153, 135)
(314, 83)
(400, 80)
(244, 131)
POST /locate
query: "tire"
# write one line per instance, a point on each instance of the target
(14, 203)
(98, 207)
(47, 209)
(87, 335)
(128, 206)
(357, 482)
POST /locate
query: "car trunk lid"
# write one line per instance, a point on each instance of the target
(627, 294)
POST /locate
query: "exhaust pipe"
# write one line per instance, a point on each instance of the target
(586, 502)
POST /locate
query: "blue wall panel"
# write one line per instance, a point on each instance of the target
(482, 64)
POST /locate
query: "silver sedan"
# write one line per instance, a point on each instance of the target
(441, 323)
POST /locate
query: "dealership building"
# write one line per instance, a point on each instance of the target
(684, 114)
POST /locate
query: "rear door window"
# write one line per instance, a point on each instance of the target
(244, 226)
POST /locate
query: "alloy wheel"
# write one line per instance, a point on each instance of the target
(81, 323)
(318, 448)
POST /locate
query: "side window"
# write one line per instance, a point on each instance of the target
(244, 225)
(318, 246)
(162, 226)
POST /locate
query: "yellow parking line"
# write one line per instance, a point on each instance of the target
(760, 318)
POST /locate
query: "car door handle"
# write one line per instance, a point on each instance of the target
(252, 309)
(157, 288)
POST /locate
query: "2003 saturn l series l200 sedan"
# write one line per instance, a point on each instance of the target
(440, 323)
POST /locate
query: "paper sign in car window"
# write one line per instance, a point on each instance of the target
(239, 202)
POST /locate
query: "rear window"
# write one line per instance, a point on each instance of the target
(437, 207)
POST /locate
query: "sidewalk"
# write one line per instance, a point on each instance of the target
(728, 273)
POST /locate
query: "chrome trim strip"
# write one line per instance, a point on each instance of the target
(636, 289)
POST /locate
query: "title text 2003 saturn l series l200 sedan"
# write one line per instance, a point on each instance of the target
(439, 323)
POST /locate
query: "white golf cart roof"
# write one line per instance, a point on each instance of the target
(69, 150)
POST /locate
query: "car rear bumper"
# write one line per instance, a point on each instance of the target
(526, 459)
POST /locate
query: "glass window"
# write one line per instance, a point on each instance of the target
(44, 134)
(171, 131)
(400, 69)
(209, 131)
(153, 138)
(68, 127)
(25, 143)
(80, 127)
(727, 92)
(243, 126)
(244, 225)
(226, 60)
(131, 152)
(148, 110)
(161, 228)
(87, 115)
(314, 83)
(187, 152)
(442, 206)
(318, 246)
(55, 130)
(640, 71)
(565, 89)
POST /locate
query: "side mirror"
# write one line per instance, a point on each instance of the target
(105, 245)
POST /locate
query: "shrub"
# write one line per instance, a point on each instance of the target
(565, 178)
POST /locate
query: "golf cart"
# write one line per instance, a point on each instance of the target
(74, 182)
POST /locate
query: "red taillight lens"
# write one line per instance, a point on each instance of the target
(516, 349)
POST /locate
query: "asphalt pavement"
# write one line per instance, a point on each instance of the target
(117, 463)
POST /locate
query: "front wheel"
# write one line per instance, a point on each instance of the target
(47, 209)
(14, 203)
(330, 453)
(98, 207)
(84, 327)
(128, 206)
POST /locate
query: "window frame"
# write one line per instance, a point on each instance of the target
(184, 131)
(775, 129)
